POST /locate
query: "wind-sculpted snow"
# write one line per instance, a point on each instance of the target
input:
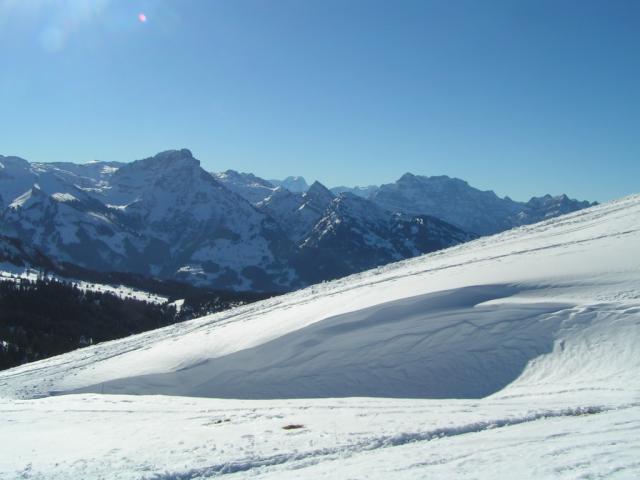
(415, 347)
(517, 352)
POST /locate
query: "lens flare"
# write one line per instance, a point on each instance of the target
(142, 17)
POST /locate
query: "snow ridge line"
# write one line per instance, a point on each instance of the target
(376, 443)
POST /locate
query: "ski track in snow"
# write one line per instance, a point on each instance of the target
(372, 444)
(510, 356)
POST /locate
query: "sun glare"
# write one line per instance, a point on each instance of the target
(142, 17)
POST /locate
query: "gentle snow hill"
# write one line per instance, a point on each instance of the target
(551, 306)
(542, 321)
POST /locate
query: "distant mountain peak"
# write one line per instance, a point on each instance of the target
(169, 159)
(455, 201)
(318, 189)
(293, 184)
(295, 179)
(407, 177)
(440, 180)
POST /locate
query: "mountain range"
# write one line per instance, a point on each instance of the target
(166, 217)
(452, 200)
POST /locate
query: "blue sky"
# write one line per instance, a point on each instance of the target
(522, 97)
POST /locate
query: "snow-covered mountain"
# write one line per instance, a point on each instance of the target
(339, 235)
(456, 202)
(354, 234)
(165, 216)
(511, 356)
(162, 216)
(247, 185)
(543, 208)
(293, 184)
(449, 199)
(298, 212)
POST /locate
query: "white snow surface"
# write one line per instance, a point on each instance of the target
(512, 356)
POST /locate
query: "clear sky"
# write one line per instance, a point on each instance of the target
(522, 97)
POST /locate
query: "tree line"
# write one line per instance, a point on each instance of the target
(46, 317)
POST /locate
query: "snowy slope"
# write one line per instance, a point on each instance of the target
(509, 356)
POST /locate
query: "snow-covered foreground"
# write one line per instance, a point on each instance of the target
(125, 437)
(510, 356)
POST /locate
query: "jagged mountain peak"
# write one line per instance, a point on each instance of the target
(317, 198)
(293, 184)
(170, 171)
(319, 191)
